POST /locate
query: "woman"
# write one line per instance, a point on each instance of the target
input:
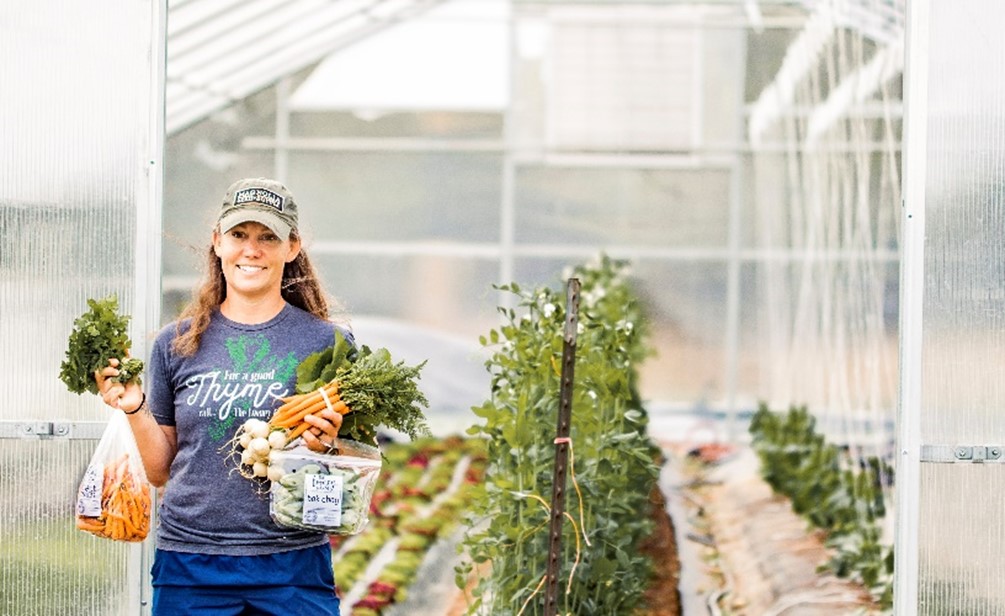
(230, 357)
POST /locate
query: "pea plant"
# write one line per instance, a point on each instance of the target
(841, 496)
(614, 464)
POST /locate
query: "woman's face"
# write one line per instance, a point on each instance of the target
(252, 257)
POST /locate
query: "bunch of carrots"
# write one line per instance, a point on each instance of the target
(365, 385)
(125, 505)
(290, 416)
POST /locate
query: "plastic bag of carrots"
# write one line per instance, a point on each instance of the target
(113, 500)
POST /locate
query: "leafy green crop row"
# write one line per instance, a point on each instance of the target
(614, 462)
(843, 499)
(414, 506)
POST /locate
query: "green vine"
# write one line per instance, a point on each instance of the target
(613, 459)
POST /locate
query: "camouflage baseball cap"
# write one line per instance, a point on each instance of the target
(259, 200)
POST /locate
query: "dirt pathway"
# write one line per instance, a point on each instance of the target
(758, 556)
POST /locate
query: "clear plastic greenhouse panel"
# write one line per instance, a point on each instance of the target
(950, 518)
(81, 168)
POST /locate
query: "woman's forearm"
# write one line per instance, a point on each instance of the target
(157, 444)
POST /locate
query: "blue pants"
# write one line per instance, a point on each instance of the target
(283, 584)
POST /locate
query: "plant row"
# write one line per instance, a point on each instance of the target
(613, 464)
(423, 489)
(836, 493)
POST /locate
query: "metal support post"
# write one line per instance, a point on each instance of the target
(562, 445)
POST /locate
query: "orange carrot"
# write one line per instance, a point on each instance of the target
(124, 526)
(91, 525)
(125, 505)
(337, 405)
(340, 407)
(294, 405)
(301, 401)
(298, 431)
(289, 409)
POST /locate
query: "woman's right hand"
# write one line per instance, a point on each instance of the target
(322, 437)
(127, 397)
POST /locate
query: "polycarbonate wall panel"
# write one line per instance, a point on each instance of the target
(623, 206)
(343, 197)
(75, 185)
(686, 303)
(397, 124)
(448, 294)
(961, 535)
(961, 525)
(47, 566)
(396, 196)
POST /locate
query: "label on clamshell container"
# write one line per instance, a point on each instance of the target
(323, 500)
(89, 494)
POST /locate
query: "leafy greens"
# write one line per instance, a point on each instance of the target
(377, 390)
(98, 335)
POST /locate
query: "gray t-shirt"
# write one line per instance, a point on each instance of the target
(240, 371)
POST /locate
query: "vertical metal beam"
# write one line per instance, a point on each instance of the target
(698, 86)
(562, 446)
(148, 270)
(507, 224)
(281, 154)
(908, 484)
(507, 199)
(736, 192)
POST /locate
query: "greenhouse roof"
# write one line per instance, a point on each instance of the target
(221, 51)
(454, 57)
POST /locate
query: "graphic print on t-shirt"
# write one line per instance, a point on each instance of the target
(248, 387)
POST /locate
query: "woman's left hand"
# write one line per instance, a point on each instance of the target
(322, 436)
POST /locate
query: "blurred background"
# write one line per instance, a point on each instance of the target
(744, 156)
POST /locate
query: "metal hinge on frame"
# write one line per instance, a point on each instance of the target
(71, 430)
(976, 454)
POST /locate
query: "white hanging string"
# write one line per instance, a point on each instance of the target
(827, 341)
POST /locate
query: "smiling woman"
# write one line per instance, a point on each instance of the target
(271, 206)
(253, 258)
(230, 358)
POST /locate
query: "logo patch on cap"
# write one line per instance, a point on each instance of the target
(260, 195)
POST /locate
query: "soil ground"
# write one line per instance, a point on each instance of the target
(663, 596)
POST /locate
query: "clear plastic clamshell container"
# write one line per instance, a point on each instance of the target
(325, 492)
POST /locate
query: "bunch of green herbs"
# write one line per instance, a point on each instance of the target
(98, 335)
(378, 391)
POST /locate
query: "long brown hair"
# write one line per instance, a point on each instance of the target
(300, 287)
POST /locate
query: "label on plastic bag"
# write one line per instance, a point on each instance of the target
(89, 496)
(323, 500)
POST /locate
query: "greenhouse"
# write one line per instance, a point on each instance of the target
(691, 304)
